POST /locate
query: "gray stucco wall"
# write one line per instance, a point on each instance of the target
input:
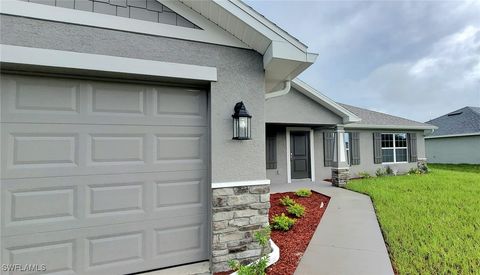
(295, 107)
(240, 78)
(279, 175)
(453, 150)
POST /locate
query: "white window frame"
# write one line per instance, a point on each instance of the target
(394, 149)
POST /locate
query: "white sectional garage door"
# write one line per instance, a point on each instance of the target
(102, 177)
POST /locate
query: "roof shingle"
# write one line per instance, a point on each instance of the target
(378, 119)
(462, 121)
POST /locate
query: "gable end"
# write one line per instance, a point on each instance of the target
(146, 10)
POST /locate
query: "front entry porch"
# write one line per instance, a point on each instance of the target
(306, 153)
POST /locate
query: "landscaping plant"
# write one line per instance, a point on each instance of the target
(297, 210)
(287, 201)
(364, 175)
(257, 267)
(304, 192)
(282, 222)
(380, 172)
(389, 170)
(414, 171)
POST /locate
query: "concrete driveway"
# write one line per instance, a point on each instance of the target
(348, 239)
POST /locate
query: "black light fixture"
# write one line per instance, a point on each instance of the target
(241, 122)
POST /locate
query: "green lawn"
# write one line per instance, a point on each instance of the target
(431, 223)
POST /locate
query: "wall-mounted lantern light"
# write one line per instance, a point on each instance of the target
(241, 122)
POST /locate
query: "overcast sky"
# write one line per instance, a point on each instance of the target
(416, 59)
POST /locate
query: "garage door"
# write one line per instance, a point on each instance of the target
(102, 177)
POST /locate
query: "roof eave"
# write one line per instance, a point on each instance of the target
(284, 56)
(399, 127)
(454, 135)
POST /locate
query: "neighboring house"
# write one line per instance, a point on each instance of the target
(457, 139)
(117, 132)
(300, 139)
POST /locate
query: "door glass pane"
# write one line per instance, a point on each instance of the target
(401, 155)
(387, 155)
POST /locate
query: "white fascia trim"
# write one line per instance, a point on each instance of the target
(103, 63)
(259, 22)
(312, 151)
(210, 32)
(395, 127)
(239, 183)
(454, 135)
(304, 88)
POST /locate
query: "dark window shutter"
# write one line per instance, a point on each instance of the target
(271, 149)
(377, 148)
(412, 147)
(355, 148)
(328, 148)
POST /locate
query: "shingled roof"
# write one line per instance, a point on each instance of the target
(372, 119)
(460, 122)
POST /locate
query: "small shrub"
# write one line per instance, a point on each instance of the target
(414, 171)
(287, 201)
(389, 170)
(297, 210)
(282, 222)
(423, 167)
(380, 172)
(304, 192)
(257, 267)
(365, 175)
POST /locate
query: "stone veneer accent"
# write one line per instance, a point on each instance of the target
(237, 213)
(340, 176)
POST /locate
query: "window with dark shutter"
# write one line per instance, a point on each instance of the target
(377, 148)
(328, 148)
(354, 148)
(412, 147)
(271, 149)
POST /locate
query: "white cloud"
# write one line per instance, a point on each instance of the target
(445, 79)
(416, 59)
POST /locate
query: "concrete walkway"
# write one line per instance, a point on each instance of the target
(348, 239)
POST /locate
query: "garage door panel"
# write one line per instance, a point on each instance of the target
(56, 100)
(58, 257)
(113, 249)
(116, 99)
(102, 177)
(34, 150)
(44, 204)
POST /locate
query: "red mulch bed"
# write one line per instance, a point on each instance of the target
(294, 242)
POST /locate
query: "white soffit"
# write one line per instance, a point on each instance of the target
(284, 57)
(304, 88)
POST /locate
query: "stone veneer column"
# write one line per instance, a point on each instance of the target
(340, 169)
(237, 213)
(340, 176)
